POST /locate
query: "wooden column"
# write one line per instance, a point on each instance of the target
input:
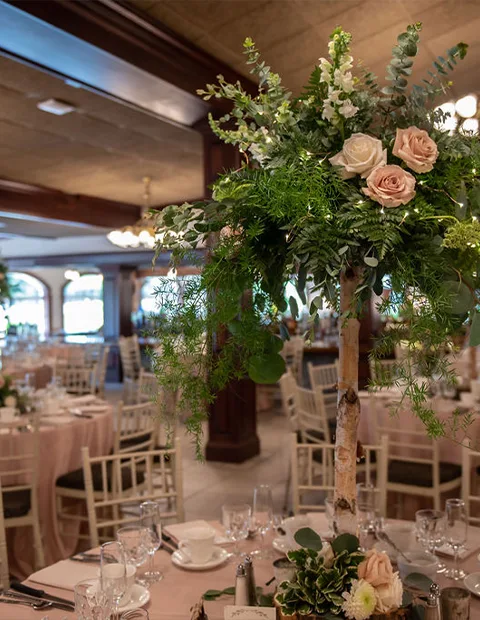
(118, 289)
(232, 425)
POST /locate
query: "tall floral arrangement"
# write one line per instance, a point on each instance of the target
(342, 189)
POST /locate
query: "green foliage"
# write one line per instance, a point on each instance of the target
(291, 217)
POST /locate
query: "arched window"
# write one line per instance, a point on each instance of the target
(151, 303)
(30, 300)
(83, 304)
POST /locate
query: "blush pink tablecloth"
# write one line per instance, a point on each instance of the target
(373, 405)
(172, 598)
(59, 454)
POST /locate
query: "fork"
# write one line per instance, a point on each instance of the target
(36, 606)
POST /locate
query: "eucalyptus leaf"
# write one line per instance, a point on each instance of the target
(418, 581)
(309, 539)
(345, 542)
(459, 295)
(292, 302)
(266, 369)
(371, 261)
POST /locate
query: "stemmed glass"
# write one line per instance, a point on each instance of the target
(134, 540)
(262, 517)
(150, 516)
(113, 571)
(91, 601)
(135, 614)
(430, 526)
(456, 533)
(236, 519)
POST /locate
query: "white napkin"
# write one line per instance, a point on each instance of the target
(467, 550)
(77, 401)
(65, 574)
(179, 530)
(93, 408)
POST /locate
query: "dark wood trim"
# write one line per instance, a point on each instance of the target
(134, 36)
(36, 201)
(48, 289)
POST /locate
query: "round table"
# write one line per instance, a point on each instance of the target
(61, 438)
(43, 372)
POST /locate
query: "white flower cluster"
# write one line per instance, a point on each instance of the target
(340, 83)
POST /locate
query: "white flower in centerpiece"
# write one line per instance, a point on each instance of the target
(343, 80)
(10, 401)
(389, 596)
(334, 95)
(347, 109)
(360, 601)
(328, 110)
(360, 154)
(326, 70)
(347, 63)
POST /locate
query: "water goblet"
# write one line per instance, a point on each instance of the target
(262, 516)
(456, 533)
(430, 526)
(113, 571)
(150, 518)
(236, 520)
(135, 614)
(92, 602)
(134, 541)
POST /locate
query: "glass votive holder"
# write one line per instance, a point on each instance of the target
(455, 603)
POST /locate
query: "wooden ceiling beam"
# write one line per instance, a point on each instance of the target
(46, 204)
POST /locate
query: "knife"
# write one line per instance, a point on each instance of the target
(21, 587)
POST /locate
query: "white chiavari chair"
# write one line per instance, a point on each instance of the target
(130, 356)
(313, 473)
(148, 387)
(135, 427)
(19, 482)
(292, 352)
(127, 480)
(288, 387)
(4, 572)
(312, 417)
(101, 369)
(470, 470)
(323, 375)
(414, 465)
(78, 379)
(383, 370)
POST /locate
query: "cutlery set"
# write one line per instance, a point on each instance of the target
(21, 594)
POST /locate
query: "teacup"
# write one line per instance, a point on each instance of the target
(198, 544)
(292, 525)
(7, 414)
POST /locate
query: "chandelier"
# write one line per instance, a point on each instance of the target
(141, 234)
(463, 115)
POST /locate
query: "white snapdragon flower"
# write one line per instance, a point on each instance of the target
(328, 110)
(346, 63)
(326, 70)
(334, 95)
(331, 49)
(343, 80)
(347, 109)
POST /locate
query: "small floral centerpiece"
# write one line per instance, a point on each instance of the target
(8, 394)
(337, 580)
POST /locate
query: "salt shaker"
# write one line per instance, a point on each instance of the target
(432, 609)
(241, 589)
(252, 590)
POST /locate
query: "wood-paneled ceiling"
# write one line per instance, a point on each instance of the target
(103, 149)
(292, 34)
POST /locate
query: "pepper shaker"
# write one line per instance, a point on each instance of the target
(241, 589)
(432, 609)
(251, 588)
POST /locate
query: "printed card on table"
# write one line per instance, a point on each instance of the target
(240, 612)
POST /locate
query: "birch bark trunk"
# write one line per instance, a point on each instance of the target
(348, 411)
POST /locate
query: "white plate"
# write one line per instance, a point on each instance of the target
(140, 597)
(219, 557)
(472, 583)
(281, 545)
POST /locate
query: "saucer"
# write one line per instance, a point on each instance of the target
(140, 597)
(281, 545)
(219, 557)
(472, 583)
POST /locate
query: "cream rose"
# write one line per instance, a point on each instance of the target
(389, 597)
(391, 186)
(376, 568)
(360, 155)
(10, 401)
(415, 147)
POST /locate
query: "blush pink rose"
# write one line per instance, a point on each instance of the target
(376, 568)
(415, 147)
(390, 185)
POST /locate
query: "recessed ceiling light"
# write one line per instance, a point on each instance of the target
(55, 106)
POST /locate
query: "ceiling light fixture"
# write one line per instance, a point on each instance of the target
(141, 234)
(55, 106)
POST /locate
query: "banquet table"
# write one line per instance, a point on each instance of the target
(377, 404)
(61, 438)
(172, 598)
(42, 372)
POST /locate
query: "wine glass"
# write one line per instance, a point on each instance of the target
(262, 516)
(236, 519)
(150, 516)
(113, 571)
(456, 533)
(134, 541)
(92, 602)
(431, 526)
(135, 614)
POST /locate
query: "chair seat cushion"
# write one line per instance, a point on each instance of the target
(16, 503)
(421, 474)
(75, 479)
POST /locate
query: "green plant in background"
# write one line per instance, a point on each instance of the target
(343, 188)
(5, 289)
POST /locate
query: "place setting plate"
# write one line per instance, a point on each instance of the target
(472, 583)
(180, 559)
(139, 597)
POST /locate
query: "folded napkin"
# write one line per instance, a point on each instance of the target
(76, 401)
(65, 574)
(467, 550)
(178, 530)
(93, 408)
